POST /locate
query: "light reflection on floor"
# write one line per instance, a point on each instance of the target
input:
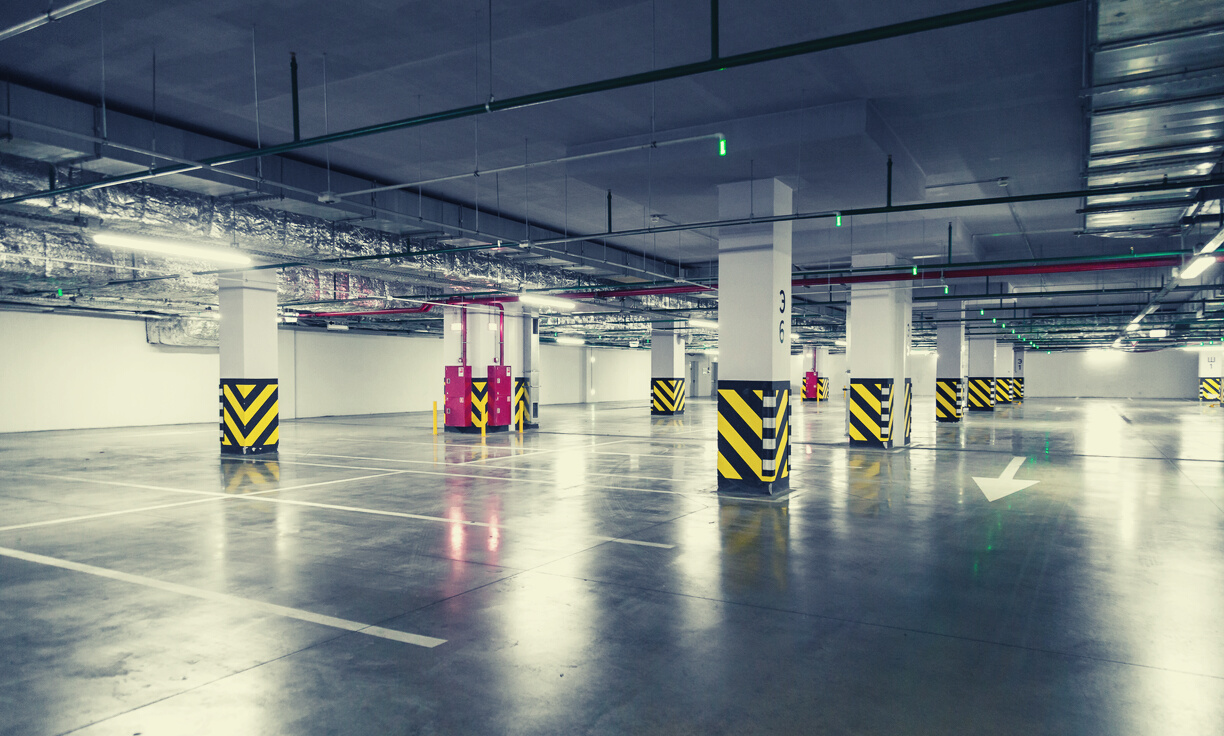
(586, 578)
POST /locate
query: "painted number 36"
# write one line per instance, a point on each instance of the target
(782, 310)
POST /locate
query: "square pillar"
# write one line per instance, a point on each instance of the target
(1004, 389)
(1018, 373)
(754, 317)
(878, 335)
(981, 383)
(250, 411)
(1211, 369)
(950, 343)
(667, 384)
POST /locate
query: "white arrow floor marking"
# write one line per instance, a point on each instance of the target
(1006, 484)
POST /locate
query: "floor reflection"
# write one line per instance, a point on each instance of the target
(755, 539)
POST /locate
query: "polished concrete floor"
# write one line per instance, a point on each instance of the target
(586, 579)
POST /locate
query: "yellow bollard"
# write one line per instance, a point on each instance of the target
(521, 421)
(435, 415)
(482, 433)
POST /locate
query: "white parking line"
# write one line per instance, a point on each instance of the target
(232, 600)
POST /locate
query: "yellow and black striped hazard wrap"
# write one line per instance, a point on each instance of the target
(250, 416)
(981, 394)
(1209, 389)
(909, 409)
(667, 395)
(822, 390)
(480, 402)
(947, 400)
(1018, 388)
(245, 476)
(1003, 391)
(754, 436)
(870, 411)
(522, 401)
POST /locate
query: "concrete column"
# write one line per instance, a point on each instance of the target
(949, 380)
(527, 373)
(878, 333)
(1211, 369)
(981, 393)
(754, 316)
(1018, 373)
(1003, 374)
(668, 386)
(250, 414)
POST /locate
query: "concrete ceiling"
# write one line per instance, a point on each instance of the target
(985, 109)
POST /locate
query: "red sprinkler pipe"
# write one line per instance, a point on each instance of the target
(463, 321)
(501, 333)
(405, 310)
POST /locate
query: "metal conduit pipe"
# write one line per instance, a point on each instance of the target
(931, 274)
(533, 164)
(843, 40)
(47, 17)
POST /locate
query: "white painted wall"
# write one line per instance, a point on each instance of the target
(562, 374)
(922, 373)
(622, 375)
(1166, 374)
(340, 373)
(70, 372)
(64, 372)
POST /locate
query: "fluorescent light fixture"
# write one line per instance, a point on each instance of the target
(1216, 241)
(552, 302)
(1158, 333)
(331, 326)
(840, 342)
(704, 324)
(795, 336)
(570, 341)
(1197, 267)
(172, 248)
(634, 343)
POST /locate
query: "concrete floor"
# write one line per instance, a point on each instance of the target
(586, 580)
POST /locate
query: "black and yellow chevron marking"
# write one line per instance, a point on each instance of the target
(822, 390)
(1003, 391)
(242, 476)
(909, 409)
(250, 416)
(947, 400)
(522, 401)
(667, 395)
(754, 436)
(870, 411)
(981, 394)
(1018, 388)
(1209, 389)
(480, 402)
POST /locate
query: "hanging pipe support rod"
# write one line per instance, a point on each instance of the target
(802, 48)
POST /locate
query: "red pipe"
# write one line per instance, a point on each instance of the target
(501, 333)
(406, 310)
(928, 274)
(463, 321)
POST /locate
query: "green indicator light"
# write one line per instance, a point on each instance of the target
(722, 146)
(994, 320)
(59, 292)
(981, 312)
(838, 220)
(915, 271)
(945, 288)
